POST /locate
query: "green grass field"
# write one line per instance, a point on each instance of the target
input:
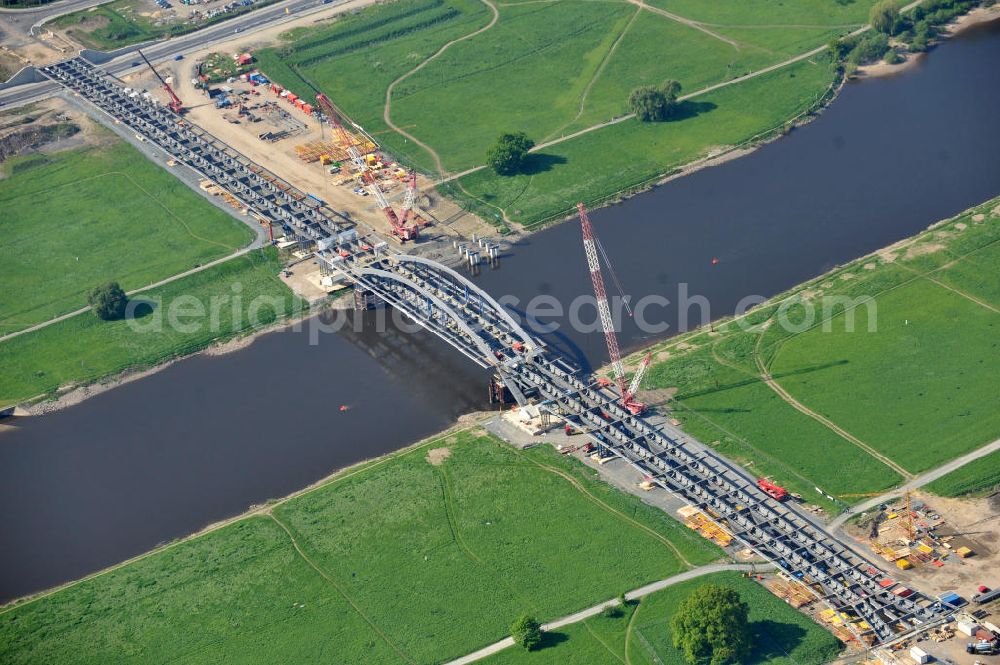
(919, 389)
(76, 219)
(642, 635)
(981, 478)
(400, 561)
(84, 349)
(552, 68)
(632, 153)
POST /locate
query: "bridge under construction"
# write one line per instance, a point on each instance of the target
(476, 325)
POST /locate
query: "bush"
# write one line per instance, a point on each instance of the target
(654, 104)
(526, 632)
(892, 57)
(868, 48)
(507, 155)
(108, 301)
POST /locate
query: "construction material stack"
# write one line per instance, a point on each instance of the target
(398, 227)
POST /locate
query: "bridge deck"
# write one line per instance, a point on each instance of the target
(468, 319)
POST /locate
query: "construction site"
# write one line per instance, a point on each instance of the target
(912, 581)
(337, 165)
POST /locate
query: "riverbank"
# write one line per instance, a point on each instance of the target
(469, 539)
(727, 155)
(71, 395)
(833, 367)
(241, 294)
(977, 16)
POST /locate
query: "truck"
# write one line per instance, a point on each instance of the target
(981, 648)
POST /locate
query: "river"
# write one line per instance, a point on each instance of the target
(202, 440)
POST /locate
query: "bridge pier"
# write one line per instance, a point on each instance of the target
(365, 299)
(499, 392)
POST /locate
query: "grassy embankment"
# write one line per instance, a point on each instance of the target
(84, 349)
(397, 561)
(553, 68)
(641, 635)
(919, 390)
(80, 218)
(116, 24)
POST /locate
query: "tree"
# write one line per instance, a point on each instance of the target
(108, 301)
(711, 626)
(526, 632)
(507, 155)
(654, 104)
(884, 16)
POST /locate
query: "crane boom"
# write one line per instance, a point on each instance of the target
(399, 227)
(633, 387)
(590, 246)
(175, 102)
(411, 196)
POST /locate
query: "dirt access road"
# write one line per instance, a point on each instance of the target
(450, 220)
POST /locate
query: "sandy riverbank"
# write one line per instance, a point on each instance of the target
(977, 16)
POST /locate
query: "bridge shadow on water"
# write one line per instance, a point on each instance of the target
(559, 343)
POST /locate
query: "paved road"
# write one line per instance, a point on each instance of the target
(913, 484)
(576, 617)
(167, 49)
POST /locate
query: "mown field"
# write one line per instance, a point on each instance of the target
(917, 387)
(76, 219)
(550, 69)
(83, 348)
(642, 635)
(398, 561)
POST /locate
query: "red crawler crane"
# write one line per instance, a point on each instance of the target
(591, 246)
(773, 490)
(399, 227)
(411, 197)
(175, 102)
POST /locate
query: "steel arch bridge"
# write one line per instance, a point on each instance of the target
(451, 306)
(878, 611)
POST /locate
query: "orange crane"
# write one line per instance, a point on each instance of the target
(175, 102)
(591, 247)
(398, 226)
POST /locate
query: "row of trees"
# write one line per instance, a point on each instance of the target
(711, 627)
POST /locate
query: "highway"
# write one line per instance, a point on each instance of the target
(122, 60)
